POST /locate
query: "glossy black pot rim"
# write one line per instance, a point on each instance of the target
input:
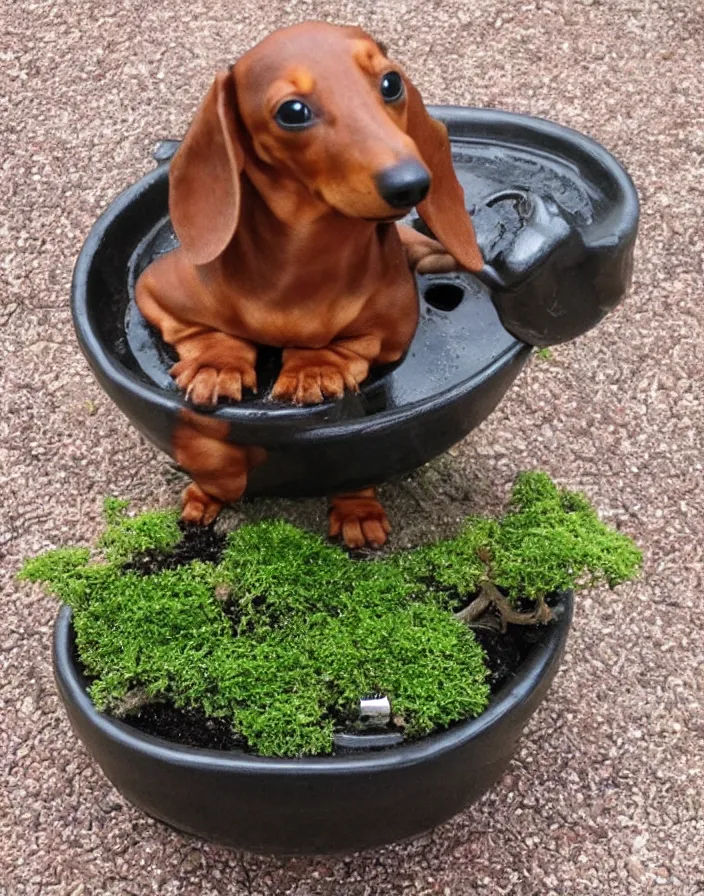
(481, 125)
(492, 126)
(510, 698)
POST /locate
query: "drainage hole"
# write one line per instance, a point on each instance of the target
(444, 296)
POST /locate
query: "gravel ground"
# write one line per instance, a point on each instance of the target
(605, 795)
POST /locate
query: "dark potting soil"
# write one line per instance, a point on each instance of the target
(198, 543)
(505, 651)
(189, 727)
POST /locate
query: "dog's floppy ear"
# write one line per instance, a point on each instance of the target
(204, 182)
(443, 209)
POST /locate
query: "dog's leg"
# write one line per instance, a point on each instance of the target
(211, 364)
(425, 255)
(219, 469)
(308, 376)
(359, 518)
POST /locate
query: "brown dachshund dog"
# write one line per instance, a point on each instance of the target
(283, 196)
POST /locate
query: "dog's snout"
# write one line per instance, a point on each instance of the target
(403, 185)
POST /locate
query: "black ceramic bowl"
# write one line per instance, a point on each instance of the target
(556, 217)
(318, 805)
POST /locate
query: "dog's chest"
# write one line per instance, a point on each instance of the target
(306, 301)
(292, 317)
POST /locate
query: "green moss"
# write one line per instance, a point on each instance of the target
(56, 566)
(552, 540)
(315, 629)
(278, 571)
(127, 537)
(544, 354)
(455, 567)
(114, 509)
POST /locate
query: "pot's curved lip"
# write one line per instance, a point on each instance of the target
(498, 124)
(510, 698)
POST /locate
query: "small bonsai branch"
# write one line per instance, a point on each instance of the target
(489, 595)
(475, 610)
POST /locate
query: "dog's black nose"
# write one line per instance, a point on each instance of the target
(403, 185)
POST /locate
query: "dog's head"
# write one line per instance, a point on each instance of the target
(320, 118)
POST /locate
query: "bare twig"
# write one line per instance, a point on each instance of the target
(490, 596)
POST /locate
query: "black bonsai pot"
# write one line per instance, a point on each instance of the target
(348, 801)
(556, 217)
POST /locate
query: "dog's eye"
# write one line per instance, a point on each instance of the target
(293, 115)
(392, 87)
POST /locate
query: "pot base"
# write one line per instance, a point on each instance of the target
(311, 806)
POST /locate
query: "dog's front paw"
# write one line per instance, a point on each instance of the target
(437, 263)
(360, 519)
(309, 377)
(205, 385)
(426, 255)
(311, 386)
